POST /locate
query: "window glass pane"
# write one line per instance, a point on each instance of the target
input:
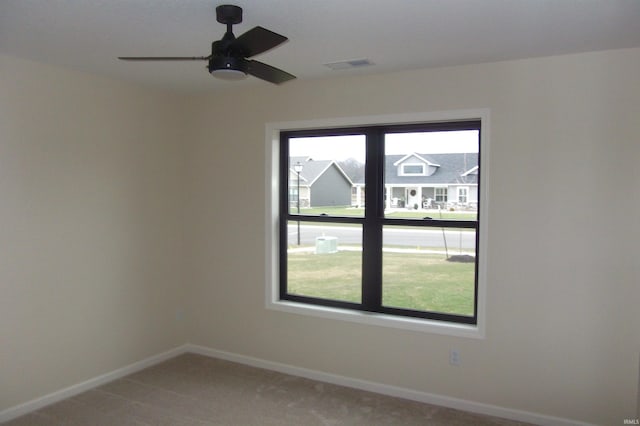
(429, 269)
(326, 175)
(413, 169)
(325, 261)
(424, 171)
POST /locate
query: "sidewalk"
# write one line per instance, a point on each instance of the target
(312, 249)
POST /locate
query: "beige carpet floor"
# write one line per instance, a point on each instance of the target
(197, 390)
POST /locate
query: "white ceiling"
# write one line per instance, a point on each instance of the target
(88, 35)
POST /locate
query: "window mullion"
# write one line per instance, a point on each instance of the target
(374, 212)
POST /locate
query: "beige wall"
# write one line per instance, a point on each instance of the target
(91, 173)
(562, 327)
(99, 180)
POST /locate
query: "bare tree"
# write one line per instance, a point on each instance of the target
(353, 168)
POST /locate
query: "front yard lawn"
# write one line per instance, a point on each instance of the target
(426, 282)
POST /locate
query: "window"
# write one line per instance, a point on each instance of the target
(293, 194)
(441, 195)
(404, 262)
(462, 195)
(412, 169)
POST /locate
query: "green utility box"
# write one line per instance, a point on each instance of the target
(326, 245)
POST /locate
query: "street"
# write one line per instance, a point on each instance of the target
(393, 236)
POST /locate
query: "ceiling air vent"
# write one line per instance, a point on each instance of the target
(351, 63)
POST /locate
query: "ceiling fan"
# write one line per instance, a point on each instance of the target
(228, 58)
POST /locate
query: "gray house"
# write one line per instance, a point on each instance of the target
(428, 181)
(322, 183)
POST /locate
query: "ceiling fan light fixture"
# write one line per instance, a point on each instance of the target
(228, 74)
(228, 68)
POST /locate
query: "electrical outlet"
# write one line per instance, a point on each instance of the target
(454, 357)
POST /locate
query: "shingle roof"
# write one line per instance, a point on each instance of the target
(312, 169)
(450, 170)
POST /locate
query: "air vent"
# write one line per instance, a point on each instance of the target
(351, 63)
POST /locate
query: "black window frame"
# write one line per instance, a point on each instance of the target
(373, 221)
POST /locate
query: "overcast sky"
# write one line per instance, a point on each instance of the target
(343, 147)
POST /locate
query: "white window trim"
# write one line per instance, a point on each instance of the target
(272, 190)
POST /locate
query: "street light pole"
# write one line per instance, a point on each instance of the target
(298, 169)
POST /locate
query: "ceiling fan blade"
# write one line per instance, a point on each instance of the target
(164, 58)
(257, 40)
(268, 73)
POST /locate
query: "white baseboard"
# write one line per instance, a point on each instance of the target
(414, 395)
(35, 404)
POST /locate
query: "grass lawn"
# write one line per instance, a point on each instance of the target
(413, 281)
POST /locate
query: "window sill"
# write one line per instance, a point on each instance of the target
(381, 320)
